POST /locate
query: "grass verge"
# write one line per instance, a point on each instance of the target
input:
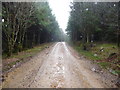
(23, 56)
(101, 57)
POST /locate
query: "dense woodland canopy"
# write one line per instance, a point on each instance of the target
(26, 24)
(90, 21)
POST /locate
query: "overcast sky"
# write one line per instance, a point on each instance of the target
(61, 10)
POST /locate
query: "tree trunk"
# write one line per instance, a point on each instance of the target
(87, 38)
(33, 42)
(26, 42)
(10, 49)
(38, 39)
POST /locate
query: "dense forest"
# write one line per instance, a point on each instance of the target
(27, 24)
(35, 48)
(92, 22)
(94, 29)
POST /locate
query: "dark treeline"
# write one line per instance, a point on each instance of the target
(91, 21)
(26, 24)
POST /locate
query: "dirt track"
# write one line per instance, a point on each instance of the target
(55, 67)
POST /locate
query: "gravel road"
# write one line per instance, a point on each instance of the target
(54, 67)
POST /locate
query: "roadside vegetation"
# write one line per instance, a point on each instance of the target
(93, 29)
(23, 56)
(105, 58)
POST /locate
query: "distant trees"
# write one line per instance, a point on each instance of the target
(119, 26)
(91, 21)
(26, 24)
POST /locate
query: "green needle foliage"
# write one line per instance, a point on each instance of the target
(27, 24)
(91, 21)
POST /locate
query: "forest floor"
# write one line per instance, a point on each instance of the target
(104, 54)
(58, 66)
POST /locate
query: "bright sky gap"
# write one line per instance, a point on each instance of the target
(61, 9)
